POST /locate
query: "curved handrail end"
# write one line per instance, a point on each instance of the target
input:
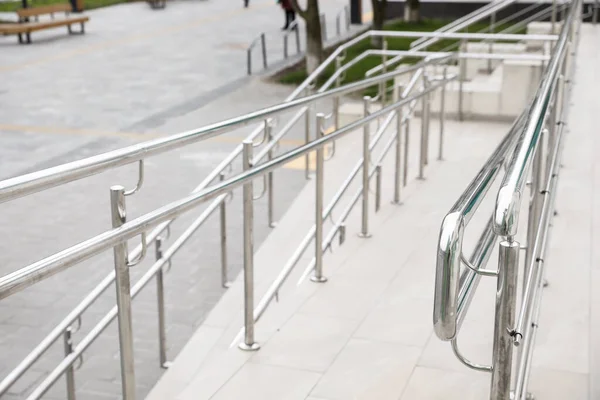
(447, 276)
(506, 213)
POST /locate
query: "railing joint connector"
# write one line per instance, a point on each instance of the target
(517, 336)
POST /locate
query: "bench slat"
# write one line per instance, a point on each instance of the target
(37, 26)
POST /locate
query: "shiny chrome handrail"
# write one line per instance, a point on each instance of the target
(506, 213)
(454, 289)
(464, 18)
(468, 19)
(36, 181)
(51, 265)
(447, 311)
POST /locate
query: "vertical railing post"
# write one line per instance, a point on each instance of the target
(492, 30)
(323, 28)
(160, 298)
(428, 101)
(406, 149)
(307, 122)
(382, 84)
(297, 35)
(462, 72)
(123, 287)
(347, 12)
(223, 228)
(338, 29)
(506, 299)
(263, 41)
(248, 343)
(398, 152)
(535, 202)
(553, 18)
(249, 60)
(424, 129)
(336, 99)
(442, 113)
(364, 231)
(319, 176)
(285, 46)
(70, 372)
(595, 12)
(378, 173)
(270, 181)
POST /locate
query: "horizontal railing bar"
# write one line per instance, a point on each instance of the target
(112, 314)
(462, 19)
(469, 19)
(461, 35)
(477, 56)
(55, 263)
(36, 181)
(509, 196)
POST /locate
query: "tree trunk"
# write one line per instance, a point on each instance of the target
(314, 38)
(379, 9)
(412, 11)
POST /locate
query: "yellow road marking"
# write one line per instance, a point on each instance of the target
(300, 163)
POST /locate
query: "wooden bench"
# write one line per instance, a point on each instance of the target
(25, 26)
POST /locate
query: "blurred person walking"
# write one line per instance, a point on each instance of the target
(290, 14)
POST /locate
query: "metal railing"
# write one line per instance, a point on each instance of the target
(160, 219)
(532, 147)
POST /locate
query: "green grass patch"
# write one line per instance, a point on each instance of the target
(88, 4)
(297, 75)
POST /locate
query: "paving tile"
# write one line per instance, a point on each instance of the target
(368, 369)
(435, 384)
(307, 342)
(260, 382)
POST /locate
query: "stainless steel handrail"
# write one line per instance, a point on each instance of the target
(39, 350)
(506, 212)
(455, 288)
(30, 183)
(51, 265)
(446, 311)
(462, 19)
(475, 16)
(47, 383)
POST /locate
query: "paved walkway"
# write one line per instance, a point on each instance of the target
(137, 74)
(367, 332)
